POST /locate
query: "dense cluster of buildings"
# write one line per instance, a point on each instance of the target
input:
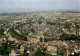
(36, 27)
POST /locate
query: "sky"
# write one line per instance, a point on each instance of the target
(39, 4)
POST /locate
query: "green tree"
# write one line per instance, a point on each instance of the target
(41, 52)
(40, 39)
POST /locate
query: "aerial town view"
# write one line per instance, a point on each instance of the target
(39, 28)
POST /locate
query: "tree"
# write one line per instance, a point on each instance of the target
(41, 52)
(69, 37)
(67, 25)
(32, 30)
(46, 40)
(16, 35)
(6, 48)
(40, 39)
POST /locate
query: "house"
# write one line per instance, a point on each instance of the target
(21, 49)
(52, 49)
(13, 53)
(4, 41)
(54, 52)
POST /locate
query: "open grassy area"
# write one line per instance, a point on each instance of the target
(16, 35)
